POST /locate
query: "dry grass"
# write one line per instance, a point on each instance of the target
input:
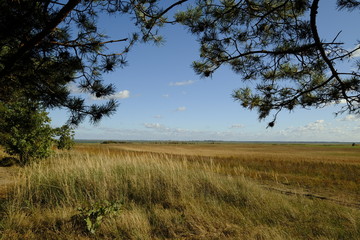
(167, 195)
(332, 171)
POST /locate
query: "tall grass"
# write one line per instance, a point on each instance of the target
(330, 170)
(163, 197)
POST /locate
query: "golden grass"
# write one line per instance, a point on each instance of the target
(167, 195)
(330, 170)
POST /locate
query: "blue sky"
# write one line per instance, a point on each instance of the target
(161, 98)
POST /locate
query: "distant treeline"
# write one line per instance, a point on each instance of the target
(172, 142)
(211, 142)
(114, 142)
(157, 142)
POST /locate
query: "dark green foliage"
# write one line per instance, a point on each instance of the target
(277, 44)
(40, 67)
(66, 137)
(25, 131)
(8, 161)
(46, 46)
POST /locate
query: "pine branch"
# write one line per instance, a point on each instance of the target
(27, 46)
(74, 44)
(316, 37)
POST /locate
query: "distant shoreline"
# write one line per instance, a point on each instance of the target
(112, 141)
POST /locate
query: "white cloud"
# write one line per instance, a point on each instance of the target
(318, 125)
(159, 131)
(180, 109)
(166, 95)
(189, 82)
(158, 116)
(314, 131)
(319, 130)
(342, 101)
(120, 95)
(351, 118)
(356, 53)
(154, 125)
(73, 88)
(237, 126)
(311, 129)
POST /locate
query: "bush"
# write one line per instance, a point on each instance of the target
(25, 131)
(66, 137)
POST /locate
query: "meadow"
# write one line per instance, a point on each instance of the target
(187, 191)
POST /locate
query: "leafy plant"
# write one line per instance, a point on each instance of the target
(25, 130)
(89, 219)
(66, 137)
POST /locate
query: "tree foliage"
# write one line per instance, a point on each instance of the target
(25, 131)
(277, 45)
(45, 45)
(65, 139)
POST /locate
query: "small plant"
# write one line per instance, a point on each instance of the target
(89, 219)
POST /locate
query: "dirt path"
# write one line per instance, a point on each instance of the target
(313, 196)
(6, 179)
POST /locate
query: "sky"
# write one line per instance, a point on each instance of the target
(161, 97)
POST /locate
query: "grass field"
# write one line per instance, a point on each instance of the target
(188, 191)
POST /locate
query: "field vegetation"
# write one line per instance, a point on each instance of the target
(187, 191)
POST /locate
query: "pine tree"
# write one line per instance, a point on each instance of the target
(45, 45)
(277, 45)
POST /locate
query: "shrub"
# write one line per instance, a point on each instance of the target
(66, 137)
(25, 131)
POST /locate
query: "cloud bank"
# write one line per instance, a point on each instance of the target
(319, 130)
